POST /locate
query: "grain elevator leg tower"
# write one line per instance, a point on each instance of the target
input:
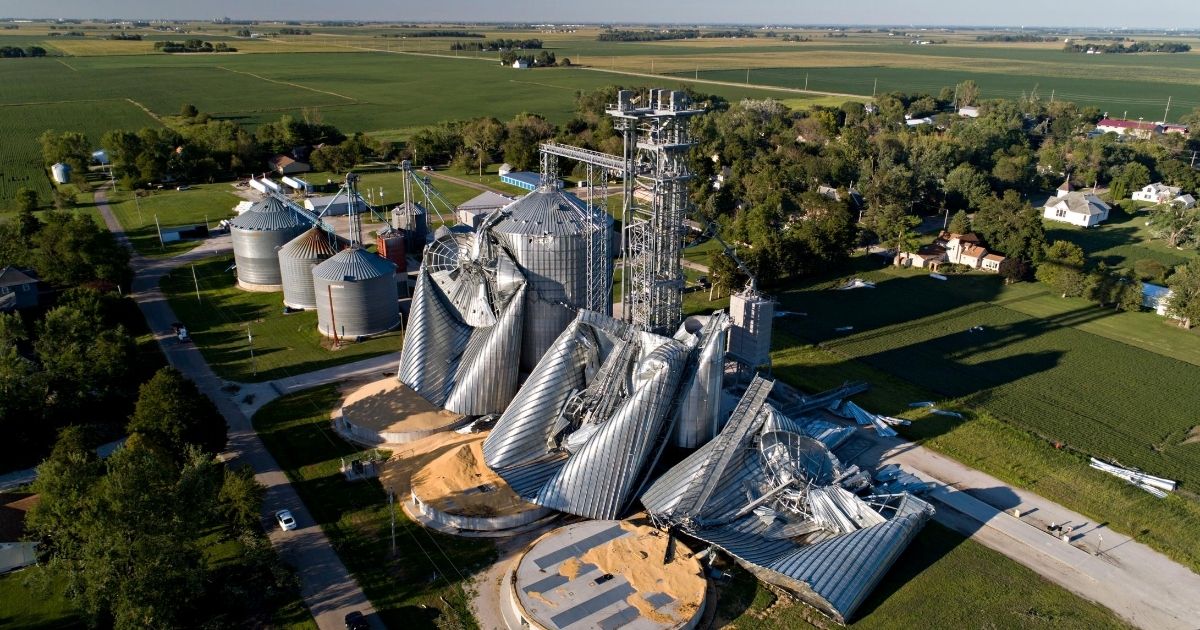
(657, 140)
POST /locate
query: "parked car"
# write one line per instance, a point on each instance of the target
(356, 621)
(183, 187)
(285, 520)
(181, 332)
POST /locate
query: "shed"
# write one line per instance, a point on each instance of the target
(14, 553)
(1155, 298)
(286, 165)
(18, 289)
(474, 210)
(525, 179)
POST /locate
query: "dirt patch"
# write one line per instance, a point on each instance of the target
(1193, 436)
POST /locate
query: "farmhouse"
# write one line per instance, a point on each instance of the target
(1185, 201)
(286, 165)
(1175, 128)
(520, 64)
(1157, 193)
(959, 249)
(18, 289)
(1136, 128)
(1075, 207)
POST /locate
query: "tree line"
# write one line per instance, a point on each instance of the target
(544, 59)
(499, 45)
(128, 534)
(193, 46)
(12, 52)
(647, 36)
(1133, 47)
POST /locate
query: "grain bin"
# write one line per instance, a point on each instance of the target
(547, 233)
(61, 173)
(296, 262)
(257, 235)
(412, 220)
(356, 294)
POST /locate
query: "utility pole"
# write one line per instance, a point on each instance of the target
(392, 510)
(805, 81)
(1168, 111)
(158, 227)
(747, 76)
(197, 283)
(250, 340)
(875, 87)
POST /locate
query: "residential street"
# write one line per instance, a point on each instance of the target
(326, 585)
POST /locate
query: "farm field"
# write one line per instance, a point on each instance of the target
(20, 126)
(1046, 374)
(284, 344)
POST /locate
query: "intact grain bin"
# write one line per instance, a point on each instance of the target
(296, 262)
(257, 235)
(356, 294)
(61, 173)
(390, 245)
(546, 232)
(411, 218)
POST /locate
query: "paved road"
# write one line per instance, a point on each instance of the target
(1141, 585)
(263, 393)
(328, 589)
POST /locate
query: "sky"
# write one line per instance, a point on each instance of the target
(1183, 14)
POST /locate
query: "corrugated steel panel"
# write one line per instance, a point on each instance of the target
(597, 480)
(356, 294)
(486, 378)
(700, 412)
(296, 261)
(435, 337)
(257, 235)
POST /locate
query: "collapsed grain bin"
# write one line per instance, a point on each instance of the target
(563, 250)
(296, 261)
(257, 235)
(356, 294)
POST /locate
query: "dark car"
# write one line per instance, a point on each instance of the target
(357, 621)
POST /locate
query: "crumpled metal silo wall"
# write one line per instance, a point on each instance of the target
(356, 295)
(700, 410)
(296, 261)
(257, 235)
(769, 496)
(597, 480)
(601, 380)
(464, 329)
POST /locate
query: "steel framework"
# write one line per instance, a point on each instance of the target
(656, 138)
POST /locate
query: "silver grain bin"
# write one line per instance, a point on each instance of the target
(257, 235)
(296, 262)
(356, 294)
(547, 233)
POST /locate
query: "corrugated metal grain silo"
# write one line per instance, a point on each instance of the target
(257, 235)
(547, 233)
(296, 262)
(356, 294)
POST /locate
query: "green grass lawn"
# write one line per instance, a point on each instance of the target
(209, 202)
(941, 581)
(1121, 241)
(28, 601)
(422, 584)
(284, 344)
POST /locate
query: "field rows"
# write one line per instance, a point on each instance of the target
(1095, 394)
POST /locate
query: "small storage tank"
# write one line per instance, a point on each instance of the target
(61, 173)
(390, 245)
(356, 294)
(257, 235)
(546, 232)
(412, 219)
(296, 262)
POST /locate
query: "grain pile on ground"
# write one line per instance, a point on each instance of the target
(446, 470)
(459, 482)
(638, 557)
(389, 405)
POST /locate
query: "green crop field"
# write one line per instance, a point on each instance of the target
(1064, 374)
(20, 126)
(284, 344)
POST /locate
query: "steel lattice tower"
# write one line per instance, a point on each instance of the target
(657, 140)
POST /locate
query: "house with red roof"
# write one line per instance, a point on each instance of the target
(1135, 128)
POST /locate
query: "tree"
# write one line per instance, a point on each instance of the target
(1129, 177)
(968, 184)
(1062, 268)
(968, 93)
(64, 485)
(87, 362)
(1129, 294)
(525, 133)
(241, 497)
(173, 414)
(960, 223)
(1174, 223)
(72, 249)
(483, 136)
(188, 111)
(70, 147)
(1012, 226)
(26, 200)
(1150, 270)
(1184, 301)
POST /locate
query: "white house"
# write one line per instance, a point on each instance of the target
(968, 111)
(1154, 297)
(1157, 192)
(1185, 201)
(520, 63)
(1075, 207)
